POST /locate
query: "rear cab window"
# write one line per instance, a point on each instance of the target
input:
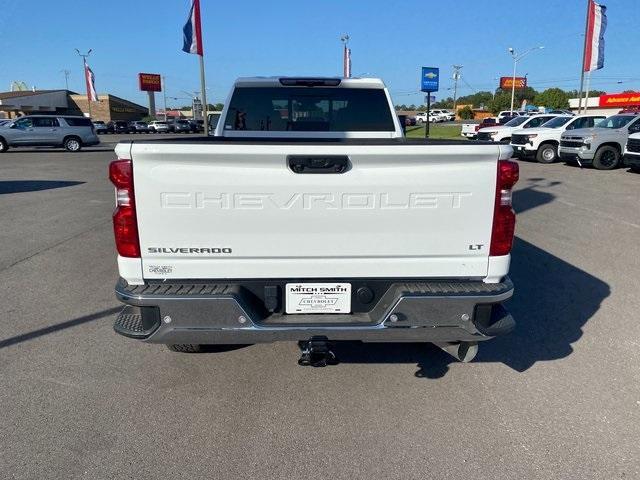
(303, 109)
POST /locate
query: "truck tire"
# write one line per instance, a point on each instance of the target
(606, 158)
(3, 145)
(547, 153)
(72, 144)
(185, 348)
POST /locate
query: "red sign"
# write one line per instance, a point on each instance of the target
(620, 100)
(150, 82)
(506, 83)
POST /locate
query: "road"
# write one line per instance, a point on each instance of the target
(557, 399)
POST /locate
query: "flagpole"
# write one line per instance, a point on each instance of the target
(204, 95)
(584, 56)
(586, 97)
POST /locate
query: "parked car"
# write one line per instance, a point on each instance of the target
(119, 126)
(69, 132)
(3, 122)
(562, 112)
(158, 127)
(213, 119)
(182, 126)
(601, 146)
(196, 125)
(255, 214)
(410, 121)
(502, 133)
(506, 115)
(542, 142)
(434, 117)
(100, 127)
(470, 130)
(138, 127)
(632, 153)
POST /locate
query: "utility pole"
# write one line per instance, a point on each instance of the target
(164, 97)
(84, 73)
(66, 74)
(456, 77)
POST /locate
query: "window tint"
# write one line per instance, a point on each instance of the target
(45, 122)
(635, 127)
(78, 122)
(556, 122)
(615, 121)
(514, 122)
(24, 123)
(536, 121)
(304, 109)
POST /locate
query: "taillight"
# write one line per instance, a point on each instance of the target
(125, 225)
(504, 218)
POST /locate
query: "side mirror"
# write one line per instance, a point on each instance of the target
(13, 125)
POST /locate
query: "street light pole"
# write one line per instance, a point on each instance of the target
(84, 73)
(516, 58)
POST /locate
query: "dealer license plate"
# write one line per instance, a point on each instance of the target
(318, 297)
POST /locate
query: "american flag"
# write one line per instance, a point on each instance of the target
(90, 79)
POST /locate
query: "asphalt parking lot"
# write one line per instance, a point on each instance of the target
(557, 399)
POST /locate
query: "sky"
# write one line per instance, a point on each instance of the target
(389, 39)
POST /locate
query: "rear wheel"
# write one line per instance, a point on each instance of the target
(3, 145)
(547, 153)
(186, 348)
(606, 158)
(72, 144)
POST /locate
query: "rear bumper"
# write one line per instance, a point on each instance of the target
(216, 313)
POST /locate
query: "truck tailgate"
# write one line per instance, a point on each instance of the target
(237, 210)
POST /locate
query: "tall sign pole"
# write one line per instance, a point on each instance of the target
(429, 83)
(192, 35)
(84, 73)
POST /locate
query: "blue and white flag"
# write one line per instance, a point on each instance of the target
(192, 31)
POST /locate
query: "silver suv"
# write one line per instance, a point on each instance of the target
(72, 133)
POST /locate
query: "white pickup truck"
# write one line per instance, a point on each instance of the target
(308, 217)
(542, 142)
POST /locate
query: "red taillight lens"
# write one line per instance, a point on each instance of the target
(125, 225)
(504, 218)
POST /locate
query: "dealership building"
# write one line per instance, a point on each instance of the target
(65, 102)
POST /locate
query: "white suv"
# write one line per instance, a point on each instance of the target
(502, 133)
(542, 143)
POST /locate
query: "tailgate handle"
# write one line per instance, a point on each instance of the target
(318, 163)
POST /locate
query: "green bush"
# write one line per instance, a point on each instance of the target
(465, 113)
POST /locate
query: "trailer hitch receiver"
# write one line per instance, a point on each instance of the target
(316, 352)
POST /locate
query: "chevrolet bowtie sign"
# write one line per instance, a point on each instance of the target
(430, 79)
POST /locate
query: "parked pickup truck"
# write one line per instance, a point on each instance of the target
(502, 133)
(542, 143)
(308, 217)
(632, 152)
(470, 130)
(601, 146)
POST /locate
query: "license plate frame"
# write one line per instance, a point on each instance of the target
(318, 298)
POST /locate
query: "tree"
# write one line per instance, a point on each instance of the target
(502, 99)
(466, 113)
(552, 98)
